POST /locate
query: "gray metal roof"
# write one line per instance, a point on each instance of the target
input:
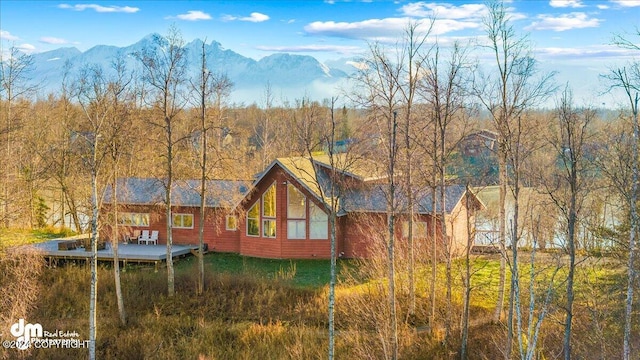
(374, 199)
(151, 191)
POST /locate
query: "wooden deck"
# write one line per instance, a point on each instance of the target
(53, 250)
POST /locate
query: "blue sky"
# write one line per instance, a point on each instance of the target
(569, 34)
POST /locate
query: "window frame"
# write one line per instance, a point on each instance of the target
(275, 203)
(269, 221)
(182, 216)
(131, 216)
(266, 227)
(235, 223)
(420, 229)
(249, 219)
(297, 222)
(311, 222)
(295, 219)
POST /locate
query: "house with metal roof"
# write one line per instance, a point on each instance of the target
(284, 212)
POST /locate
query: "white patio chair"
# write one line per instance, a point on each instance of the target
(144, 238)
(154, 238)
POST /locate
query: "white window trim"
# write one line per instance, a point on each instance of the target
(275, 227)
(173, 215)
(310, 221)
(226, 223)
(304, 216)
(131, 215)
(303, 221)
(275, 210)
(275, 199)
(297, 219)
(258, 219)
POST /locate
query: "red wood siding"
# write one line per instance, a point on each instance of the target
(358, 234)
(215, 234)
(280, 246)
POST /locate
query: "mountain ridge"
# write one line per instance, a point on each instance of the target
(289, 75)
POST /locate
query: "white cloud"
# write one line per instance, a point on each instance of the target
(194, 15)
(566, 3)
(627, 3)
(5, 35)
(385, 30)
(358, 65)
(53, 40)
(100, 8)
(591, 52)
(26, 48)
(312, 48)
(444, 11)
(602, 7)
(564, 22)
(254, 17)
(367, 29)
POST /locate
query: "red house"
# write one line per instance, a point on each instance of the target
(285, 212)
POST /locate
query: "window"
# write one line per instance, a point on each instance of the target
(231, 223)
(269, 202)
(419, 229)
(269, 212)
(296, 229)
(296, 213)
(296, 203)
(268, 228)
(182, 221)
(253, 220)
(133, 219)
(318, 223)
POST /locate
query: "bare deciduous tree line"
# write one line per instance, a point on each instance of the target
(419, 99)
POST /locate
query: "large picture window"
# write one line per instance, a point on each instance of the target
(269, 202)
(296, 203)
(133, 219)
(182, 221)
(269, 212)
(318, 223)
(253, 220)
(296, 213)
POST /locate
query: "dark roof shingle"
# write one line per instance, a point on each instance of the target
(374, 199)
(149, 191)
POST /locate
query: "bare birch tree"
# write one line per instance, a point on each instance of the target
(211, 87)
(569, 189)
(412, 58)
(443, 88)
(164, 66)
(628, 80)
(315, 128)
(118, 134)
(92, 95)
(15, 73)
(380, 95)
(507, 94)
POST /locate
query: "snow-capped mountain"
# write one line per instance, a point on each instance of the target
(289, 76)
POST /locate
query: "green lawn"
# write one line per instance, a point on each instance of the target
(299, 273)
(15, 237)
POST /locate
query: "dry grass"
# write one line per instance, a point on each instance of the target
(262, 312)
